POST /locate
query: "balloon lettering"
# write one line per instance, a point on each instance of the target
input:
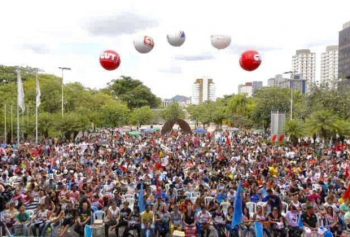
(148, 41)
(108, 56)
(257, 57)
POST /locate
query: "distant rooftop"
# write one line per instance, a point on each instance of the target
(346, 25)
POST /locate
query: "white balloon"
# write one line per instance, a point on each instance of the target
(176, 39)
(144, 44)
(220, 41)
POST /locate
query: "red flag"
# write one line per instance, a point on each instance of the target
(347, 172)
(274, 138)
(228, 141)
(159, 191)
(347, 194)
(281, 138)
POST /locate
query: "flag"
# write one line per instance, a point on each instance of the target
(38, 92)
(300, 222)
(347, 173)
(274, 138)
(347, 193)
(140, 203)
(238, 212)
(259, 229)
(20, 92)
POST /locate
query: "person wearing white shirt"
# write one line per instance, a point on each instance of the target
(292, 218)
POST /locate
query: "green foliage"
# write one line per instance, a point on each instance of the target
(295, 129)
(83, 107)
(143, 115)
(269, 99)
(116, 114)
(323, 122)
(173, 111)
(133, 93)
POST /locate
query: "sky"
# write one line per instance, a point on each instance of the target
(52, 34)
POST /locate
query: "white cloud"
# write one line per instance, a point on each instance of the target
(49, 34)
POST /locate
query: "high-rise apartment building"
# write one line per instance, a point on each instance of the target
(344, 56)
(203, 89)
(329, 65)
(304, 64)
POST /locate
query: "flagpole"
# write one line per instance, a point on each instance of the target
(36, 122)
(5, 126)
(11, 125)
(18, 126)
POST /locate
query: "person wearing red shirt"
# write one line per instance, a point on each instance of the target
(314, 196)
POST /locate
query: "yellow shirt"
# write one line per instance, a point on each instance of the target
(273, 171)
(147, 217)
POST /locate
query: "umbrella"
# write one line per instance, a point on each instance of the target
(200, 130)
(104, 142)
(234, 129)
(149, 130)
(135, 133)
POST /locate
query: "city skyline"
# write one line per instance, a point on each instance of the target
(48, 41)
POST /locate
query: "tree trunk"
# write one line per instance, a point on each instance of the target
(294, 140)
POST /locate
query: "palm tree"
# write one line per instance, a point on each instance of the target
(238, 104)
(324, 122)
(295, 129)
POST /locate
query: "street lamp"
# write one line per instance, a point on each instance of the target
(62, 69)
(291, 92)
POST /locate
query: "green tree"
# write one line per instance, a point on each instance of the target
(116, 114)
(269, 99)
(133, 93)
(323, 122)
(71, 124)
(295, 129)
(173, 111)
(143, 115)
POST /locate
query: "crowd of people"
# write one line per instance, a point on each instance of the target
(162, 185)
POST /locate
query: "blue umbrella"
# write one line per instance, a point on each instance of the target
(149, 130)
(200, 130)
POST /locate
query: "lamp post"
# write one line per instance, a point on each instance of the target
(291, 92)
(62, 69)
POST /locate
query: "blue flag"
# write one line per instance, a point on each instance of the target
(141, 203)
(300, 222)
(87, 231)
(259, 229)
(238, 212)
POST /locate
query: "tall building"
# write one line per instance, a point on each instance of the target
(344, 55)
(295, 82)
(304, 64)
(329, 65)
(203, 89)
(275, 81)
(249, 87)
(257, 84)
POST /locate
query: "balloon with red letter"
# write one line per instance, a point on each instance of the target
(250, 60)
(110, 60)
(144, 44)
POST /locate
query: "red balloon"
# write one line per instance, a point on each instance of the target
(110, 60)
(250, 60)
